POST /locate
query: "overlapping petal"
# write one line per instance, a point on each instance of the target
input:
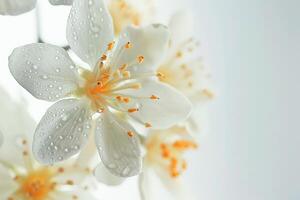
(149, 42)
(89, 29)
(44, 70)
(167, 108)
(16, 7)
(104, 176)
(62, 131)
(118, 146)
(61, 2)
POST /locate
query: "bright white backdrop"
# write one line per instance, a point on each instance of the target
(251, 151)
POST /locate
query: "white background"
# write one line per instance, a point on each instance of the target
(251, 151)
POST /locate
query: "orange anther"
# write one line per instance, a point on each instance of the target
(130, 133)
(119, 98)
(126, 99)
(160, 75)
(70, 182)
(128, 45)
(153, 97)
(110, 46)
(131, 110)
(123, 67)
(103, 57)
(140, 59)
(61, 170)
(148, 125)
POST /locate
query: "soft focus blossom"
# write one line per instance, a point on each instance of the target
(165, 158)
(183, 69)
(121, 84)
(21, 178)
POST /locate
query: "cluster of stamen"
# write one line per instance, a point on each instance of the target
(169, 154)
(172, 153)
(104, 86)
(178, 68)
(35, 183)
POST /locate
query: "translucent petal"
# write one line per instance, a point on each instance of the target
(104, 176)
(89, 29)
(119, 152)
(166, 108)
(149, 42)
(62, 131)
(16, 7)
(181, 27)
(44, 70)
(61, 2)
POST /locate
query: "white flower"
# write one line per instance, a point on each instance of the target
(21, 177)
(121, 83)
(183, 68)
(164, 158)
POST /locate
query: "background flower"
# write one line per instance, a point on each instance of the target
(23, 178)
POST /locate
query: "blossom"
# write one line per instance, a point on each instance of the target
(23, 178)
(165, 158)
(183, 68)
(121, 86)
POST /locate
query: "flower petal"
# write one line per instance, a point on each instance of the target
(181, 27)
(61, 2)
(166, 108)
(119, 152)
(89, 29)
(62, 131)
(44, 70)
(104, 176)
(1, 138)
(149, 42)
(16, 7)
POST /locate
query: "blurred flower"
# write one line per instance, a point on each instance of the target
(122, 83)
(183, 68)
(130, 12)
(21, 177)
(164, 156)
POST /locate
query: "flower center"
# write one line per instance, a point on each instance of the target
(37, 184)
(169, 154)
(106, 86)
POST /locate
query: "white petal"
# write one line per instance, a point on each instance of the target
(1, 138)
(89, 29)
(181, 27)
(44, 70)
(16, 124)
(171, 107)
(150, 42)
(61, 2)
(104, 176)
(119, 152)
(62, 131)
(75, 193)
(16, 7)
